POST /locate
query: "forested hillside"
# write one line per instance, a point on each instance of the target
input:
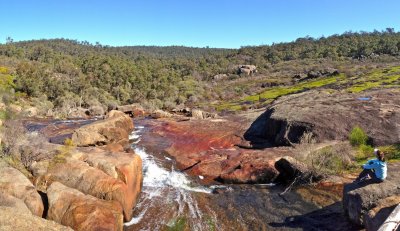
(63, 73)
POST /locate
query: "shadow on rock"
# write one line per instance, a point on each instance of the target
(269, 130)
(328, 218)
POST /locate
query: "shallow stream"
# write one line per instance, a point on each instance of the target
(172, 200)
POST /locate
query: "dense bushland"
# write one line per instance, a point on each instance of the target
(67, 74)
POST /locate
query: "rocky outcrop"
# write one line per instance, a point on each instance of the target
(291, 170)
(329, 116)
(72, 208)
(208, 148)
(9, 201)
(359, 199)
(96, 111)
(105, 175)
(78, 112)
(199, 114)
(13, 183)
(247, 69)
(312, 74)
(115, 128)
(158, 114)
(133, 110)
(12, 219)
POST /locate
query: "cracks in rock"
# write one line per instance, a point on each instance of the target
(191, 166)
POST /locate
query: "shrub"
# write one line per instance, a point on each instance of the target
(358, 136)
(364, 151)
(391, 151)
(69, 142)
(330, 159)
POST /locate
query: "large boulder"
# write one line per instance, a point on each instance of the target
(96, 111)
(291, 169)
(133, 110)
(72, 208)
(247, 69)
(329, 116)
(17, 185)
(360, 198)
(111, 177)
(12, 219)
(158, 114)
(13, 202)
(114, 129)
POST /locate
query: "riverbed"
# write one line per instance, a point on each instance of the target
(172, 200)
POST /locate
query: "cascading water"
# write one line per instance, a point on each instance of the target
(171, 200)
(168, 197)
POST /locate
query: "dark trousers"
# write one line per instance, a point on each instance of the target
(368, 172)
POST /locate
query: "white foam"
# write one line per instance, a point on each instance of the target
(136, 219)
(156, 176)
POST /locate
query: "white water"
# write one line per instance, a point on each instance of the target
(165, 191)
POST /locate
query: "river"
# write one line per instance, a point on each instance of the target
(172, 200)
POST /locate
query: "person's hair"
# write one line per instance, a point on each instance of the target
(381, 155)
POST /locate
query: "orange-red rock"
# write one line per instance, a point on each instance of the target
(107, 180)
(115, 128)
(12, 219)
(16, 184)
(72, 208)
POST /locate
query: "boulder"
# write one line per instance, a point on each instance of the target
(31, 112)
(96, 111)
(329, 116)
(247, 69)
(13, 202)
(16, 184)
(12, 219)
(115, 128)
(72, 208)
(291, 170)
(133, 110)
(158, 114)
(111, 180)
(78, 113)
(377, 216)
(198, 114)
(359, 199)
(220, 77)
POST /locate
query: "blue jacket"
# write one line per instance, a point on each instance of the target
(378, 166)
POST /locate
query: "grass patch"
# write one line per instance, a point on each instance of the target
(276, 92)
(376, 79)
(177, 224)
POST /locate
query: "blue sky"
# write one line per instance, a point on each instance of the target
(199, 23)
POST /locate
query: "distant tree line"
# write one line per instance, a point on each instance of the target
(69, 72)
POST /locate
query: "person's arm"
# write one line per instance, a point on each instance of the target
(372, 164)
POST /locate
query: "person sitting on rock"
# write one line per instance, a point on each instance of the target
(375, 170)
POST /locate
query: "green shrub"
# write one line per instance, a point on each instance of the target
(364, 151)
(391, 151)
(358, 136)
